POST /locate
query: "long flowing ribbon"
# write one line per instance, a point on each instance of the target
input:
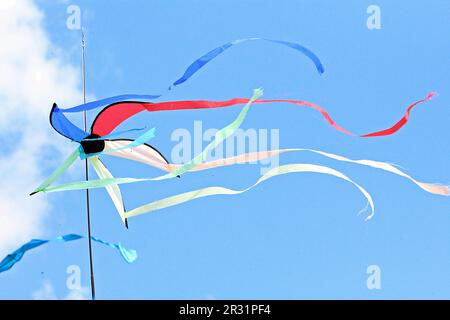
(200, 62)
(210, 191)
(401, 122)
(11, 259)
(150, 158)
(434, 188)
(58, 171)
(113, 190)
(107, 101)
(113, 115)
(437, 189)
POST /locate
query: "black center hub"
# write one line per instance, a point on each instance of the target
(92, 146)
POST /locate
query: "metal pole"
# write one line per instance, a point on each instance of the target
(88, 210)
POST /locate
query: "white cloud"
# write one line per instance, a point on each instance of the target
(46, 292)
(82, 293)
(32, 76)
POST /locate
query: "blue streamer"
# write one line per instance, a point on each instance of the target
(106, 101)
(69, 130)
(11, 259)
(147, 136)
(66, 128)
(63, 125)
(200, 62)
(129, 255)
(115, 134)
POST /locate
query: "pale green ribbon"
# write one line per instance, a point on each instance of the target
(219, 137)
(58, 172)
(210, 191)
(113, 190)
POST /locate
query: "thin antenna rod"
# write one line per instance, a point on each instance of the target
(88, 209)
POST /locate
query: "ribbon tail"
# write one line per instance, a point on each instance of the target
(203, 60)
(401, 122)
(58, 172)
(113, 189)
(129, 255)
(10, 260)
(144, 153)
(210, 191)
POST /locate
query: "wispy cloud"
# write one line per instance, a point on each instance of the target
(47, 292)
(33, 75)
(82, 293)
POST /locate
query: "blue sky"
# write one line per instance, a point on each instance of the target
(296, 236)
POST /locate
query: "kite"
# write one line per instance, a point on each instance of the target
(104, 140)
(149, 155)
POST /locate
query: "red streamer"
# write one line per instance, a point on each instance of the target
(113, 115)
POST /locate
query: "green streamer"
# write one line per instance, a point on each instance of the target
(220, 136)
(58, 171)
(113, 190)
(211, 191)
(91, 184)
